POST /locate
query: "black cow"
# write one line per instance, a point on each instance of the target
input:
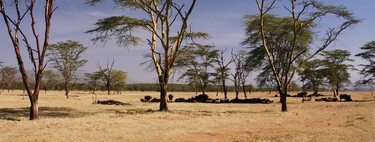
(346, 97)
(170, 97)
(147, 98)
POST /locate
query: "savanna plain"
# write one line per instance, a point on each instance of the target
(78, 119)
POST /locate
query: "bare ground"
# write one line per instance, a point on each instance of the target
(78, 119)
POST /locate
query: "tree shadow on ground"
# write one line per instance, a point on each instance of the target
(15, 114)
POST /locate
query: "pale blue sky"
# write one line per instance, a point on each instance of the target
(222, 19)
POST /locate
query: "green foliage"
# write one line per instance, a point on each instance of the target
(132, 4)
(335, 68)
(166, 22)
(66, 58)
(312, 73)
(368, 70)
(278, 30)
(121, 27)
(119, 80)
(8, 76)
(93, 80)
(50, 79)
(198, 62)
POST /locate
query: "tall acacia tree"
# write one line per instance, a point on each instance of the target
(368, 70)
(303, 14)
(223, 70)
(106, 75)
(313, 74)
(119, 79)
(335, 68)
(166, 21)
(93, 80)
(197, 61)
(66, 58)
(240, 73)
(26, 35)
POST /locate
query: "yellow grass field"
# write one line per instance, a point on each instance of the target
(78, 119)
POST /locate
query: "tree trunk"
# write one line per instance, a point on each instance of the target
(371, 89)
(66, 91)
(236, 87)
(163, 98)
(237, 91)
(244, 89)
(334, 92)
(225, 90)
(315, 89)
(283, 102)
(108, 85)
(34, 109)
(224, 86)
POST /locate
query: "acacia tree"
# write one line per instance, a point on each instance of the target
(223, 70)
(29, 37)
(368, 70)
(303, 15)
(197, 61)
(66, 58)
(50, 79)
(240, 74)
(312, 73)
(93, 80)
(8, 76)
(243, 71)
(119, 79)
(106, 75)
(165, 20)
(335, 70)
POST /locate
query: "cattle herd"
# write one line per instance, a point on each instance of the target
(343, 97)
(203, 98)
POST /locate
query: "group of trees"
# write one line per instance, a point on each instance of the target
(332, 70)
(278, 47)
(110, 78)
(284, 42)
(66, 58)
(203, 66)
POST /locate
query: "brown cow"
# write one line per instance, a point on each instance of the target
(305, 99)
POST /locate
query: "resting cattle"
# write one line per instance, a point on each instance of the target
(180, 100)
(148, 98)
(301, 94)
(318, 99)
(170, 97)
(306, 99)
(331, 99)
(346, 97)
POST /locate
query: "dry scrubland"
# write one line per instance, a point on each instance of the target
(77, 119)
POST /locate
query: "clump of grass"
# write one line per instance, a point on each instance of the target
(135, 111)
(10, 118)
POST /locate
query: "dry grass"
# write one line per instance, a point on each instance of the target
(77, 119)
